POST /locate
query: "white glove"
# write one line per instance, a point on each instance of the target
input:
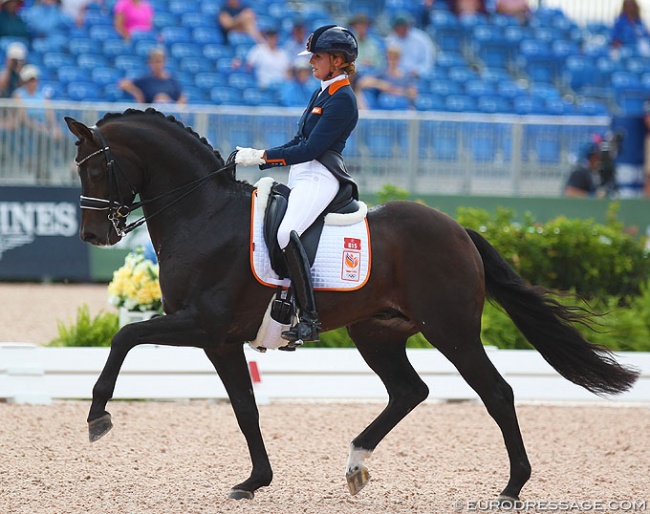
(249, 157)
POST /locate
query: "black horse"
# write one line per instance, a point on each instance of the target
(429, 275)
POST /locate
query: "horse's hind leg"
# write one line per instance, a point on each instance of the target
(473, 364)
(383, 348)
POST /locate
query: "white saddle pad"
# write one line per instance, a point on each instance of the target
(342, 260)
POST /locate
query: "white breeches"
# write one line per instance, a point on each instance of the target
(313, 187)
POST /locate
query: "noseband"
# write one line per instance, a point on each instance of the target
(118, 210)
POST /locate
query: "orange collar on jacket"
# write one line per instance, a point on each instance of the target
(335, 86)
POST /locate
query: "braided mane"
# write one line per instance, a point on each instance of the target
(150, 111)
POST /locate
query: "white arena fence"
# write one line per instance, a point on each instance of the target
(36, 374)
(422, 152)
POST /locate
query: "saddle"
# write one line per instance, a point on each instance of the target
(345, 202)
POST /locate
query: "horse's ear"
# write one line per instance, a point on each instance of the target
(79, 129)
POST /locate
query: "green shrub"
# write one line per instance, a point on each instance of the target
(592, 259)
(86, 330)
(388, 193)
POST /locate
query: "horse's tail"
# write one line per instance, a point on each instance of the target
(547, 325)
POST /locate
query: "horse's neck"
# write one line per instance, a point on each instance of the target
(218, 209)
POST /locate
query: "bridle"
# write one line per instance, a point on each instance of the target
(118, 210)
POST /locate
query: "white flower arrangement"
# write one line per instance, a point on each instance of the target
(135, 285)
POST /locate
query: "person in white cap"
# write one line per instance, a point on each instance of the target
(39, 122)
(10, 74)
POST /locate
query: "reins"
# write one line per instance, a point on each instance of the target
(117, 209)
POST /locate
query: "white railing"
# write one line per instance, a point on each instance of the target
(36, 374)
(423, 152)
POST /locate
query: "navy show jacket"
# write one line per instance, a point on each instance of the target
(325, 124)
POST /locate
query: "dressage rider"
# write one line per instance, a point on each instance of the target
(314, 154)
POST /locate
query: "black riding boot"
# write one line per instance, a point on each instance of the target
(308, 328)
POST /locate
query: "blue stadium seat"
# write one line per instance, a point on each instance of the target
(559, 107)
(226, 95)
(460, 103)
(214, 51)
(195, 95)
(116, 46)
(207, 80)
(592, 108)
(428, 102)
(476, 88)
(197, 19)
(386, 138)
(389, 102)
(128, 63)
(186, 49)
(241, 80)
(164, 19)
(544, 142)
(210, 7)
(493, 104)
(83, 91)
(102, 32)
(254, 97)
(54, 60)
(105, 75)
(630, 100)
(207, 35)
(67, 74)
(526, 104)
(143, 47)
(78, 46)
(91, 61)
(176, 34)
(113, 93)
(43, 45)
(461, 74)
(444, 143)
(194, 64)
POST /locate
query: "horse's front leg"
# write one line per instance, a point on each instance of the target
(172, 330)
(230, 362)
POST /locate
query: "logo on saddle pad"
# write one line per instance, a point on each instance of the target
(343, 258)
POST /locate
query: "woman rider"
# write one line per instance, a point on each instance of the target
(314, 154)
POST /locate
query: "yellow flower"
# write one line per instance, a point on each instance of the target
(135, 285)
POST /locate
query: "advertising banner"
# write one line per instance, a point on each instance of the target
(39, 235)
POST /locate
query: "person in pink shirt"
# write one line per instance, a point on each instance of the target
(133, 16)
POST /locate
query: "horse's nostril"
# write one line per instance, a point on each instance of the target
(88, 237)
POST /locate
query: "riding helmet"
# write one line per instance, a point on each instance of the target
(330, 39)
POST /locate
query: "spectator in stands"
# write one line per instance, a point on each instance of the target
(76, 9)
(314, 154)
(156, 87)
(392, 81)
(297, 38)
(371, 54)
(467, 7)
(629, 29)
(237, 16)
(37, 120)
(269, 62)
(10, 75)
(297, 91)
(45, 18)
(415, 45)
(131, 16)
(517, 8)
(584, 180)
(11, 22)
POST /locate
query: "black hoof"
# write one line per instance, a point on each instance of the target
(240, 494)
(98, 428)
